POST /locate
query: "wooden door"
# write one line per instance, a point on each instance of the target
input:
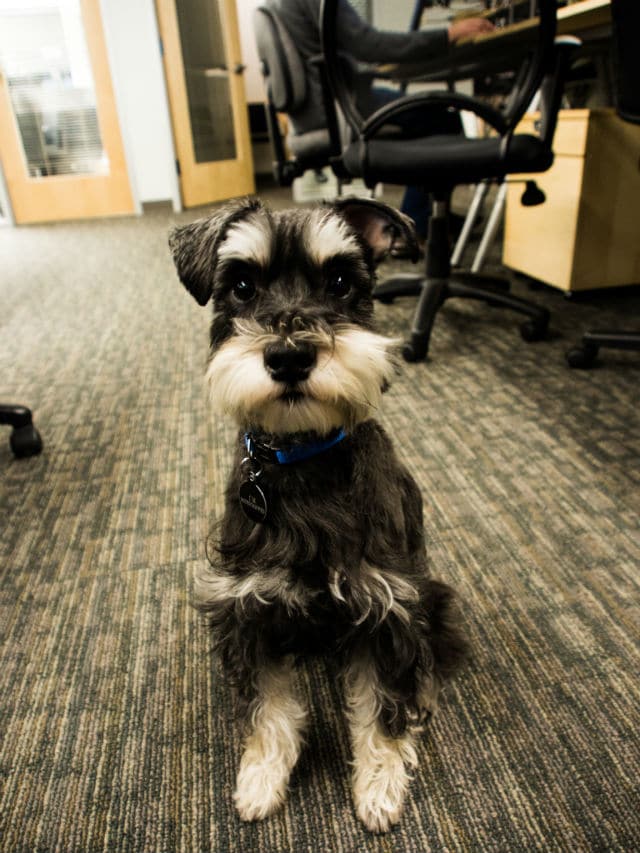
(203, 68)
(60, 142)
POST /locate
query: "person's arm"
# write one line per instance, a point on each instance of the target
(367, 44)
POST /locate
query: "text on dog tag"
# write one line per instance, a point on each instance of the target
(253, 501)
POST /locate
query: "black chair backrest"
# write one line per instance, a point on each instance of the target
(538, 63)
(282, 66)
(625, 15)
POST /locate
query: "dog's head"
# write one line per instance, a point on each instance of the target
(292, 341)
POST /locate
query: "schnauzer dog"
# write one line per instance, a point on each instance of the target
(321, 547)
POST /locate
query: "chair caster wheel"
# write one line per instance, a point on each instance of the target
(25, 441)
(386, 300)
(582, 357)
(411, 354)
(534, 330)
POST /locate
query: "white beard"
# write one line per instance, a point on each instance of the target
(345, 386)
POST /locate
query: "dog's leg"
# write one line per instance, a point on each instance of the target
(442, 631)
(272, 747)
(381, 762)
(428, 690)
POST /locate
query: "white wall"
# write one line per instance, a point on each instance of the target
(252, 76)
(392, 16)
(133, 45)
(397, 15)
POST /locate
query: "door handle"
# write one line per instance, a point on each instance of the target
(222, 70)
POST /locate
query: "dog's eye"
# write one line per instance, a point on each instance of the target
(244, 290)
(339, 286)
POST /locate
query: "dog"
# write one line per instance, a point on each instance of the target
(321, 548)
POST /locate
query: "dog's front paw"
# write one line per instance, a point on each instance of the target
(273, 746)
(261, 789)
(379, 790)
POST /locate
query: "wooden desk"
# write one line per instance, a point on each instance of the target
(580, 13)
(585, 235)
(577, 19)
(498, 50)
(583, 15)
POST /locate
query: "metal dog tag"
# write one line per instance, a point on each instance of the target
(253, 501)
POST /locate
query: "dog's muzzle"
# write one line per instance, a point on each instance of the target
(289, 363)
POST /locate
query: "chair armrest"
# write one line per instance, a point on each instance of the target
(432, 100)
(541, 61)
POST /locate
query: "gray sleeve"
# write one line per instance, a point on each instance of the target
(366, 44)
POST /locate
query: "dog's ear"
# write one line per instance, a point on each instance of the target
(382, 227)
(195, 246)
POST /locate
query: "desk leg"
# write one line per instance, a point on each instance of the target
(491, 228)
(470, 220)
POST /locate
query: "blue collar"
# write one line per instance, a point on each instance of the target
(296, 453)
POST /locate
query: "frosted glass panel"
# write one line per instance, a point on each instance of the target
(207, 78)
(44, 58)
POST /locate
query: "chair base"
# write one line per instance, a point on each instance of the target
(434, 292)
(583, 355)
(25, 439)
(440, 283)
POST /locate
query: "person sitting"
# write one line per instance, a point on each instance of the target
(363, 43)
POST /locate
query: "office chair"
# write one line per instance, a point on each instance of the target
(625, 17)
(440, 163)
(286, 90)
(25, 439)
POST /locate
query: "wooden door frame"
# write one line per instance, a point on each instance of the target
(31, 207)
(5, 201)
(176, 87)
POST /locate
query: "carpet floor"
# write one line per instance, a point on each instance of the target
(116, 733)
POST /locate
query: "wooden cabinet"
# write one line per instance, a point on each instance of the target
(587, 233)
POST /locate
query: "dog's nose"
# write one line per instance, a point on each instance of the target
(289, 364)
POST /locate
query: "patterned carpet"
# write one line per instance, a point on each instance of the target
(117, 735)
